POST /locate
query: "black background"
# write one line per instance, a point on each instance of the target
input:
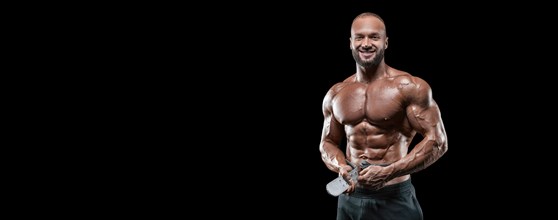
(233, 94)
(298, 55)
(422, 43)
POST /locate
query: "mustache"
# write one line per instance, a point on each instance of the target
(367, 49)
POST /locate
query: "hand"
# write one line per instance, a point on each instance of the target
(344, 172)
(374, 177)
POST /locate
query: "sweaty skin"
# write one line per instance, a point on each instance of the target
(378, 110)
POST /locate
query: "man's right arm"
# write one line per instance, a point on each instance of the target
(332, 135)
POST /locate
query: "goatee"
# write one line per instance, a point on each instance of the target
(369, 63)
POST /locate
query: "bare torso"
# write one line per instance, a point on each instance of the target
(375, 119)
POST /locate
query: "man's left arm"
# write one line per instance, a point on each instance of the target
(424, 116)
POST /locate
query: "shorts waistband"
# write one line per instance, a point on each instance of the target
(387, 190)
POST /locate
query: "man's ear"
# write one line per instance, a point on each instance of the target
(387, 38)
(350, 43)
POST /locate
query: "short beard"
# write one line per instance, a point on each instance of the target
(369, 63)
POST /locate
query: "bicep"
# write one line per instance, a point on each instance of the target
(332, 130)
(425, 118)
(423, 113)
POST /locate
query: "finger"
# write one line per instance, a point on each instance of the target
(362, 172)
(350, 189)
(362, 179)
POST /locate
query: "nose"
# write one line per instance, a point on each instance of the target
(366, 43)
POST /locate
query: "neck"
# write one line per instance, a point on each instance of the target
(368, 74)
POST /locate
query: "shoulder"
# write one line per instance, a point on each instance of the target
(406, 81)
(332, 92)
(410, 85)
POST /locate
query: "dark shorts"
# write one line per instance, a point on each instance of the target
(397, 201)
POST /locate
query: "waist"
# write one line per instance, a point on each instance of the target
(391, 189)
(398, 180)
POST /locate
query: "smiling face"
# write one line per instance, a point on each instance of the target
(368, 41)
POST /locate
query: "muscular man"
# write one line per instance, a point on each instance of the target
(379, 110)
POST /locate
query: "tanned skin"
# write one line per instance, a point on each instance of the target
(379, 110)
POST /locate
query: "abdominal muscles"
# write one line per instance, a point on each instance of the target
(375, 144)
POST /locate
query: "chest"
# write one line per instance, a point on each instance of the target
(377, 103)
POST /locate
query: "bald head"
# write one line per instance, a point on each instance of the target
(367, 14)
(368, 18)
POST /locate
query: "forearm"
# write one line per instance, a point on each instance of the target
(423, 155)
(332, 156)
